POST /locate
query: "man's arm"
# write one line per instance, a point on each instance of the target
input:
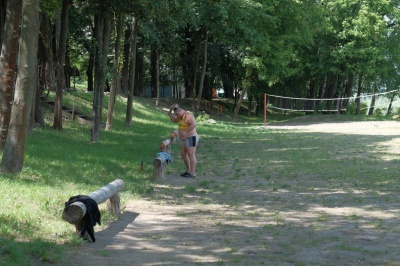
(191, 122)
(172, 117)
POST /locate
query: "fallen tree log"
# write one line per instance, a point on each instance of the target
(160, 164)
(74, 212)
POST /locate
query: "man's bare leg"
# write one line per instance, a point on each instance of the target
(191, 154)
(186, 159)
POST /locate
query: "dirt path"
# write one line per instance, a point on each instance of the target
(254, 211)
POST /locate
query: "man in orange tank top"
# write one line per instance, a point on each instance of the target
(188, 135)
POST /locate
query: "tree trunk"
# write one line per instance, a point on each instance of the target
(228, 90)
(187, 64)
(157, 72)
(347, 90)
(249, 105)
(138, 88)
(115, 79)
(46, 70)
(239, 103)
(106, 44)
(175, 93)
(38, 117)
(372, 106)
(132, 66)
(390, 104)
(8, 58)
(31, 123)
(153, 70)
(203, 71)
(260, 102)
(195, 105)
(14, 149)
(67, 69)
(125, 64)
(89, 72)
(320, 95)
(60, 56)
(310, 95)
(99, 73)
(331, 84)
(358, 100)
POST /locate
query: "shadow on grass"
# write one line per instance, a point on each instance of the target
(32, 252)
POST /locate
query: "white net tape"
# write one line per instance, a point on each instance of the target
(293, 104)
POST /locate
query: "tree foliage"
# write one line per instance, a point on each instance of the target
(301, 48)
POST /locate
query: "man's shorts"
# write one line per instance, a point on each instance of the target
(191, 141)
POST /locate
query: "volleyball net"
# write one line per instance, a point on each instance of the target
(382, 100)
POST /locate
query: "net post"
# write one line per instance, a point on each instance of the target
(265, 109)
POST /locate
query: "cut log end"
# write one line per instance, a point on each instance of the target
(73, 213)
(159, 167)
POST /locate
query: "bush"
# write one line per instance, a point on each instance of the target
(378, 111)
(352, 107)
(203, 117)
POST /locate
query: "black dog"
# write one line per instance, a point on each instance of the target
(91, 217)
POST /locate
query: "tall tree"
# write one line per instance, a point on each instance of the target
(14, 149)
(125, 61)
(8, 58)
(353, 40)
(61, 47)
(132, 67)
(46, 73)
(102, 26)
(116, 71)
(203, 72)
(154, 71)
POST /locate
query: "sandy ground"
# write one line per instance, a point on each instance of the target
(240, 221)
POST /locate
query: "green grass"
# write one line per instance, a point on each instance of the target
(61, 164)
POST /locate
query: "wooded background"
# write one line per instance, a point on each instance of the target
(295, 48)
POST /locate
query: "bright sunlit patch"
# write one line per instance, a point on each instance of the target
(389, 150)
(385, 128)
(351, 211)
